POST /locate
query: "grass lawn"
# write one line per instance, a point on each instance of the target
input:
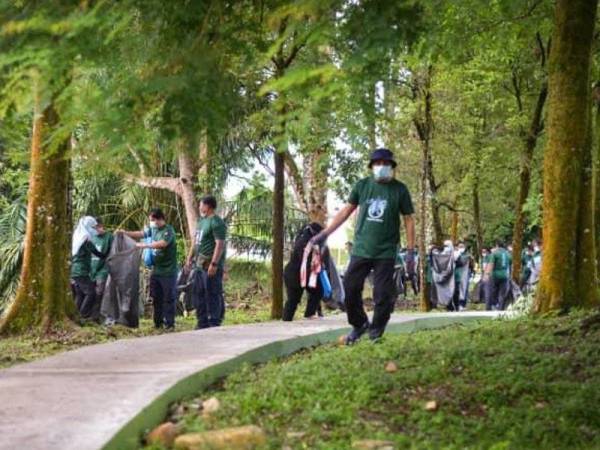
(520, 384)
(246, 294)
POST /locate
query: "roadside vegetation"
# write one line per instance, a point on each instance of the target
(502, 384)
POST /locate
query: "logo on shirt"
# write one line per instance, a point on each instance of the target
(376, 209)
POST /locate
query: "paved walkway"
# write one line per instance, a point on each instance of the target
(80, 399)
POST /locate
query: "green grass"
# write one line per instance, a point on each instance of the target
(521, 384)
(246, 294)
(29, 347)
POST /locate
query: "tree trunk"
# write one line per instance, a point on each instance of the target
(278, 238)
(425, 301)
(477, 215)
(317, 176)
(586, 272)
(438, 230)
(205, 166)
(187, 193)
(565, 239)
(423, 122)
(525, 180)
(282, 63)
(597, 184)
(309, 186)
(42, 301)
(372, 116)
(297, 181)
(454, 227)
(182, 186)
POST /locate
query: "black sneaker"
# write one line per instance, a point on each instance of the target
(375, 334)
(356, 333)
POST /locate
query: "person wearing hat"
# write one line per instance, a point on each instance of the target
(381, 200)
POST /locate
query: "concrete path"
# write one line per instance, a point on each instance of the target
(80, 399)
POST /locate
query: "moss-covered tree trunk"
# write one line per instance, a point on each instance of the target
(43, 300)
(477, 213)
(586, 274)
(424, 299)
(187, 193)
(535, 129)
(597, 182)
(423, 121)
(317, 178)
(278, 238)
(282, 61)
(454, 226)
(565, 195)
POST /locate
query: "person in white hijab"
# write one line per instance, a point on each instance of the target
(85, 231)
(82, 249)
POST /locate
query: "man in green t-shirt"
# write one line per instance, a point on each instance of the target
(163, 279)
(497, 272)
(209, 254)
(102, 241)
(381, 199)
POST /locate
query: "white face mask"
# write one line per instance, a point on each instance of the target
(382, 172)
(153, 224)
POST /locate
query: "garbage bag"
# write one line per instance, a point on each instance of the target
(442, 265)
(338, 295)
(120, 302)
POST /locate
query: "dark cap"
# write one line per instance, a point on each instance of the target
(382, 154)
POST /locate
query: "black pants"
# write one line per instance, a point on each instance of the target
(100, 284)
(85, 297)
(384, 291)
(497, 293)
(294, 295)
(209, 301)
(163, 290)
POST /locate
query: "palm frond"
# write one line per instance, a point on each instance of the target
(12, 228)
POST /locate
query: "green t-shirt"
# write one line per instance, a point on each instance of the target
(501, 260)
(165, 259)
(81, 263)
(208, 231)
(377, 234)
(102, 244)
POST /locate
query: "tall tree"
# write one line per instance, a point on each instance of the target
(41, 299)
(424, 123)
(568, 275)
(41, 44)
(530, 137)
